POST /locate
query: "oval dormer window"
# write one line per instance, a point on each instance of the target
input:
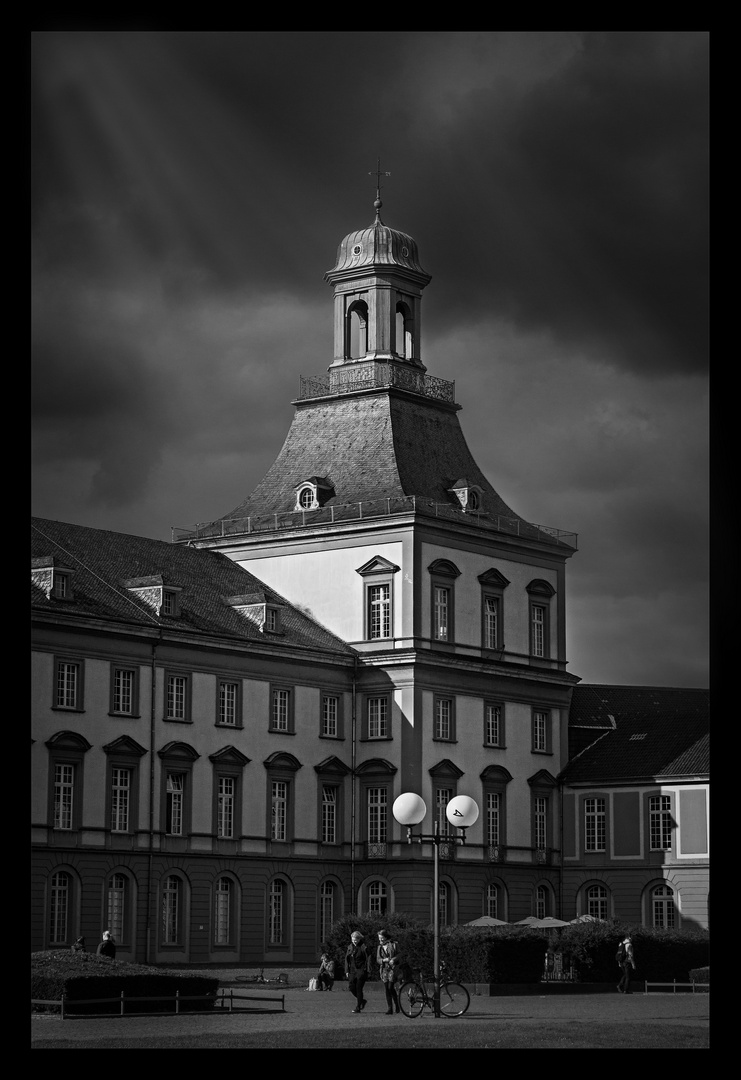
(357, 249)
(473, 500)
(405, 252)
(306, 498)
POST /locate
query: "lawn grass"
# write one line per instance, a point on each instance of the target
(425, 1035)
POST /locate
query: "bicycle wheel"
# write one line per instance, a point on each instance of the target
(454, 999)
(411, 999)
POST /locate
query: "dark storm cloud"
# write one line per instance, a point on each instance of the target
(190, 190)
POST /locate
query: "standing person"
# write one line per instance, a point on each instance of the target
(357, 967)
(387, 956)
(325, 975)
(107, 946)
(626, 960)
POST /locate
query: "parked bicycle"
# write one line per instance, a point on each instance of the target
(418, 994)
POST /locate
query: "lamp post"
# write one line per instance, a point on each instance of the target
(410, 810)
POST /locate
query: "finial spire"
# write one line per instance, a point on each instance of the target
(378, 174)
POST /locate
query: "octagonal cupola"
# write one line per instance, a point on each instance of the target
(378, 282)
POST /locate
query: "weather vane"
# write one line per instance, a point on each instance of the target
(378, 174)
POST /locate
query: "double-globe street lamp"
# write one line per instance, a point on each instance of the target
(410, 809)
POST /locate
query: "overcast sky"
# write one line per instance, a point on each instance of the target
(190, 190)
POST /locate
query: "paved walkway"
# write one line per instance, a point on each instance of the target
(333, 1011)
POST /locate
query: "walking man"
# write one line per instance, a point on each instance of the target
(626, 960)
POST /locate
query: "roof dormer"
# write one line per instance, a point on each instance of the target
(53, 578)
(161, 598)
(259, 609)
(312, 493)
(470, 496)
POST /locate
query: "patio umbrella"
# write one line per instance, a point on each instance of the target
(550, 922)
(585, 918)
(529, 921)
(486, 920)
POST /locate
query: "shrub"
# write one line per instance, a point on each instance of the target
(86, 976)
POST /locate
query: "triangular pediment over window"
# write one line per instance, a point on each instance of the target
(124, 744)
(332, 766)
(447, 769)
(229, 755)
(377, 565)
(493, 577)
(542, 778)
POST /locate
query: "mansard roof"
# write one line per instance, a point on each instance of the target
(106, 562)
(372, 448)
(634, 734)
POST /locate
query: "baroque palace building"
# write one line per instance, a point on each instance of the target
(221, 725)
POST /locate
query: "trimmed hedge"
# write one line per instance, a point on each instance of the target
(516, 954)
(87, 976)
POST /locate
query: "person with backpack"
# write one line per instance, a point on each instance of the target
(626, 961)
(358, 960)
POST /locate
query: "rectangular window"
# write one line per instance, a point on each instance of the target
(116, 908)
(225, 807)
(59, 901)
(541, 725)
(175, 803)
(171, 910)
(120, 799)
(64, 790)
(493, 818)
(279, 807)
(169, 602)
(61, 585)
(124, 687)
(280, 718)
(177, 697)
(330, 715)
(377, 815)
(492, 724)
(329, 814)
(276, 916)
(379, 611)
(68, 682)
(271, 619)
(537, 629)
(378, 720)
(491, 622)
(442, 798)
(444, 719)
(594, 825)
(222, 911)
(540, 822)
(660, 822)
(441, 613)
(229, 703)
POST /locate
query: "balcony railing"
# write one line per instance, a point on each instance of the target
(370, 508)
(375, 375)
(376, 849)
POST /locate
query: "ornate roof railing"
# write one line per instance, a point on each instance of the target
(370, 508)
(376, 375)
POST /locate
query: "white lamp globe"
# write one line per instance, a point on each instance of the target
(461, 811)
(409, 809)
